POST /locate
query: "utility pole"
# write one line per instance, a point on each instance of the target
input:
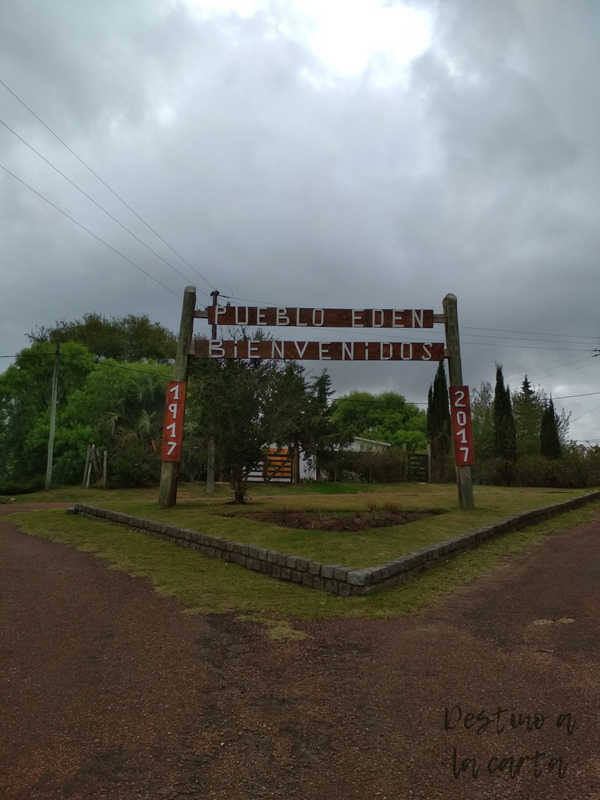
(52, 417)
(169, 475)
(463, 474)
(210, 449)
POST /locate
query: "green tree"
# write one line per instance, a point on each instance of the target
(439, 425)
(129, 339)
(528, 407)
(245, 406)
(482, 419)
(549, 438)
(505, 434)
(304, 420)
(117, 407)
(123, 407)
(385, 417)
(25, 396)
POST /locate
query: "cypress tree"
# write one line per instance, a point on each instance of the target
(549, 440)
(438, 425)
(528, 407)
(430, 415)
(505, 435)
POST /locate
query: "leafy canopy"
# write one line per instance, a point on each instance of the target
(126, 339)
(25, 396)
(385, 417)
(246, 406)
(114, 406)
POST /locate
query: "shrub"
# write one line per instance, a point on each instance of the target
(133, 464)
(10, 487)
(578, 468)
(392, 508)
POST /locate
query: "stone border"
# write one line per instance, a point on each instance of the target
(333, 578)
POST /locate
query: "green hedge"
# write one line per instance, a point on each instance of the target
(387, 466)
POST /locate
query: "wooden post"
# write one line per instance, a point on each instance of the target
(167, 492)
(94, 461)
(463, 474)
(296, 463)
(210, 467)
(87, 461)
(52, 417)
(210, 449)
(104, 469)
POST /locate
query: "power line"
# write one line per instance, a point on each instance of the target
(462, 327)
(531, 333)
(87, 230)
(56, 136)
(570, 396)
(380, 403)
(27, 355)
(520, 346)
(541, 366)
(470, 335)
(563, 371)
(584, 415)
(521, 339)
(91, 199)
(146, 372)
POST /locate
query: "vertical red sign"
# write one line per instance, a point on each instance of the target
(174, 415)
(462, 433)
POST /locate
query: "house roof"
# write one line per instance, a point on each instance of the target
(371, 441)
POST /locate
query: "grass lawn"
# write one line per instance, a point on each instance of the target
(358, 549)
(206, 585)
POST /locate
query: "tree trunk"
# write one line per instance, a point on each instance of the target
(238, 484)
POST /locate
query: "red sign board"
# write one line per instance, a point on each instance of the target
(462, 434)
(286, 316)
(174, 415)
(320, 351)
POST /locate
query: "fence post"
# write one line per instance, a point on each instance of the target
(94, 461)
(87, 461)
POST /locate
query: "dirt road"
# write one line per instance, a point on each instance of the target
(108, 690)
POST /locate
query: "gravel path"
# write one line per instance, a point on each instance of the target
(108, 690)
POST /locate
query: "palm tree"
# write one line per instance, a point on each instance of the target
(134, 428)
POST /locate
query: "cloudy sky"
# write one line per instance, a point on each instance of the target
(329, 153)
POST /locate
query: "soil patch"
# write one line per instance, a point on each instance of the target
(349, 521)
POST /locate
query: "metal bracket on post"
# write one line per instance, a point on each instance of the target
(169, 474)
(463, 474)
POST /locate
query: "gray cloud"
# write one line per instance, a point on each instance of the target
(476, 174)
